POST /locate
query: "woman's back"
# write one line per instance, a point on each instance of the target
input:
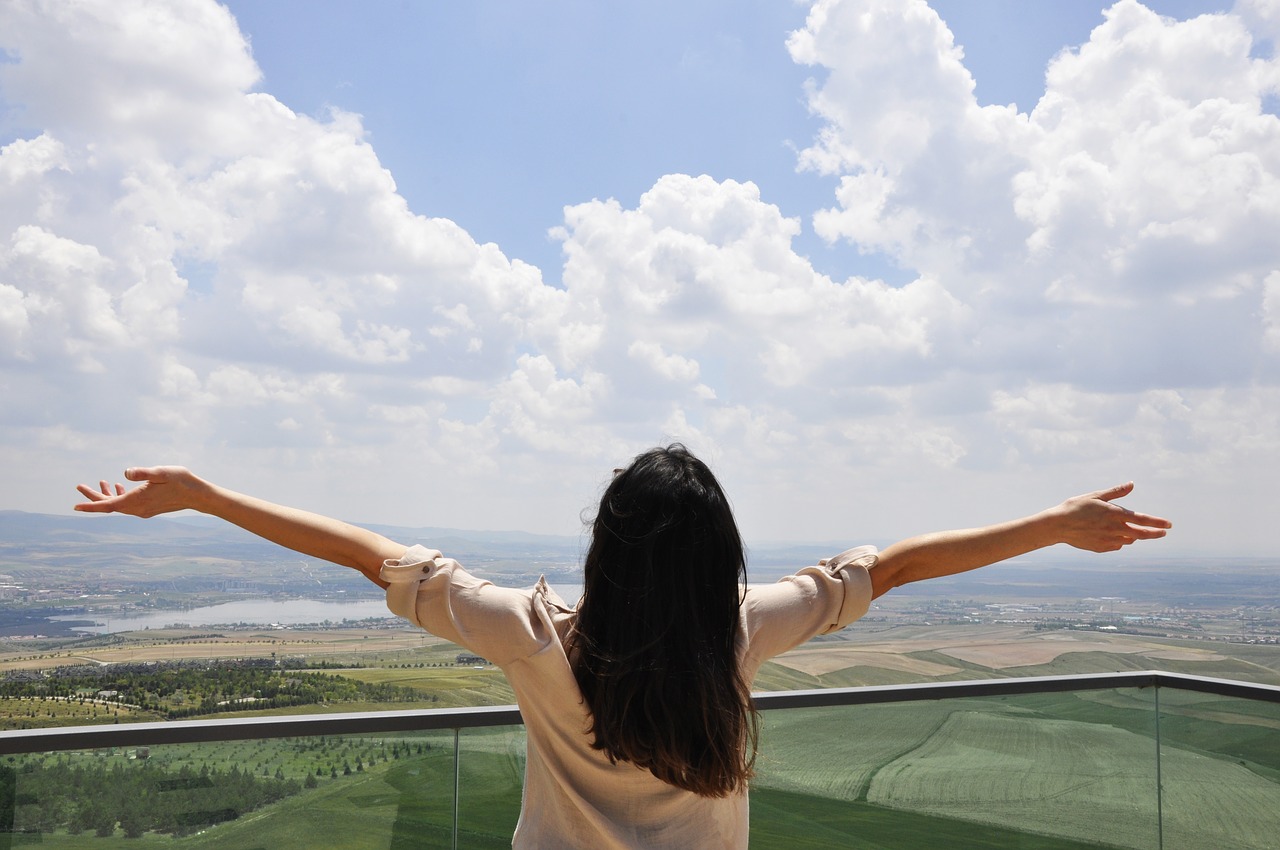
(575, 796)
(654, 646)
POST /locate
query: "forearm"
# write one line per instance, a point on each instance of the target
(163, 489)
(302, 531)
(949, 552)
(1093, 522)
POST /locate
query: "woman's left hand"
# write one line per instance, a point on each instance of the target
(164, 489)
(1095, 523)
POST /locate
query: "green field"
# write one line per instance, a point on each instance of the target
(784, 820)
(1055, 771)
(448, 687)
(1061, 771)
(1077, 767)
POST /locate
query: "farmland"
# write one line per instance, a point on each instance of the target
(1061, 771)
(1055, 771)
(1064, 768)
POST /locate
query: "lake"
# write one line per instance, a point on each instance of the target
(293, 612)
(255, 612)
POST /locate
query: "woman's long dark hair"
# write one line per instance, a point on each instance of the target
(653, 645)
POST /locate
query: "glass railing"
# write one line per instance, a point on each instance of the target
(1134, 760)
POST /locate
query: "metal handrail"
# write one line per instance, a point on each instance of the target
(423, 720)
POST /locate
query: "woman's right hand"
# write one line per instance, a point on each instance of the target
(174, 488)
(164, 489)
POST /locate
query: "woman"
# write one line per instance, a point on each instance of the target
(641, 732)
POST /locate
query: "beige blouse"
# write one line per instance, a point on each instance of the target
(573, 796)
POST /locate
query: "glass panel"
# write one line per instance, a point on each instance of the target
(1049, 771)
(1062, 771)
(367, 791)
(1220, 770)
(491, 778)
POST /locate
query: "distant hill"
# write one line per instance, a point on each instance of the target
(166, 545)
(19, 529)
(23, 529)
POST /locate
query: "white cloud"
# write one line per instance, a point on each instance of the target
(189, 268)
(65, 307)
(1155, 172)
(138, 75)
(705, 271)
(673, 367)
(1271, 311)
(14, 321)
(1144, 184)
(1262, 17)
(924, 171)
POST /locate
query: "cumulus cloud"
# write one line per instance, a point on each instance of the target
(1138, 199)
(705, 271)
(188, 266)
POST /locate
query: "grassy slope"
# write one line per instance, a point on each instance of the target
(817, 770)
(810, 760)
(787, 820)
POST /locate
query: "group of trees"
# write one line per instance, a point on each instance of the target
(140, 792)
(97, 797)
(182, 691)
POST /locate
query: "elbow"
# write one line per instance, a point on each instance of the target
(370, 569)
(896, 566)
(884, 578)
(371, 560)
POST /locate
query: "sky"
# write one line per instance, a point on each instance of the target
(888, 266)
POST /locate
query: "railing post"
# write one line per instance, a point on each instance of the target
(457, 772)
(1159, 778)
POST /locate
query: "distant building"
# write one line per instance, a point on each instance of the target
(464, 658)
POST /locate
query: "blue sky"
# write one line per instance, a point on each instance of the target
(888, 265)
(547, 104)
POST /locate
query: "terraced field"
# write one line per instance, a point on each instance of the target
(834, 753)
(1050, 771)
(1073, 768)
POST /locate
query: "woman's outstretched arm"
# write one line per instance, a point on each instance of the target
(173, 488)
(1092, 521)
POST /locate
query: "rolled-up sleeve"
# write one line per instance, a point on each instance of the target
(438, 595)
(816, 600)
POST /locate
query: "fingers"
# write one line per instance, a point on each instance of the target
(1102, 525)
(1148, 524)
(96, 495)
(101, 498)
(97, 502)
(1133, 530)
(1147, 521)
(160, 489)
(1113, 493)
